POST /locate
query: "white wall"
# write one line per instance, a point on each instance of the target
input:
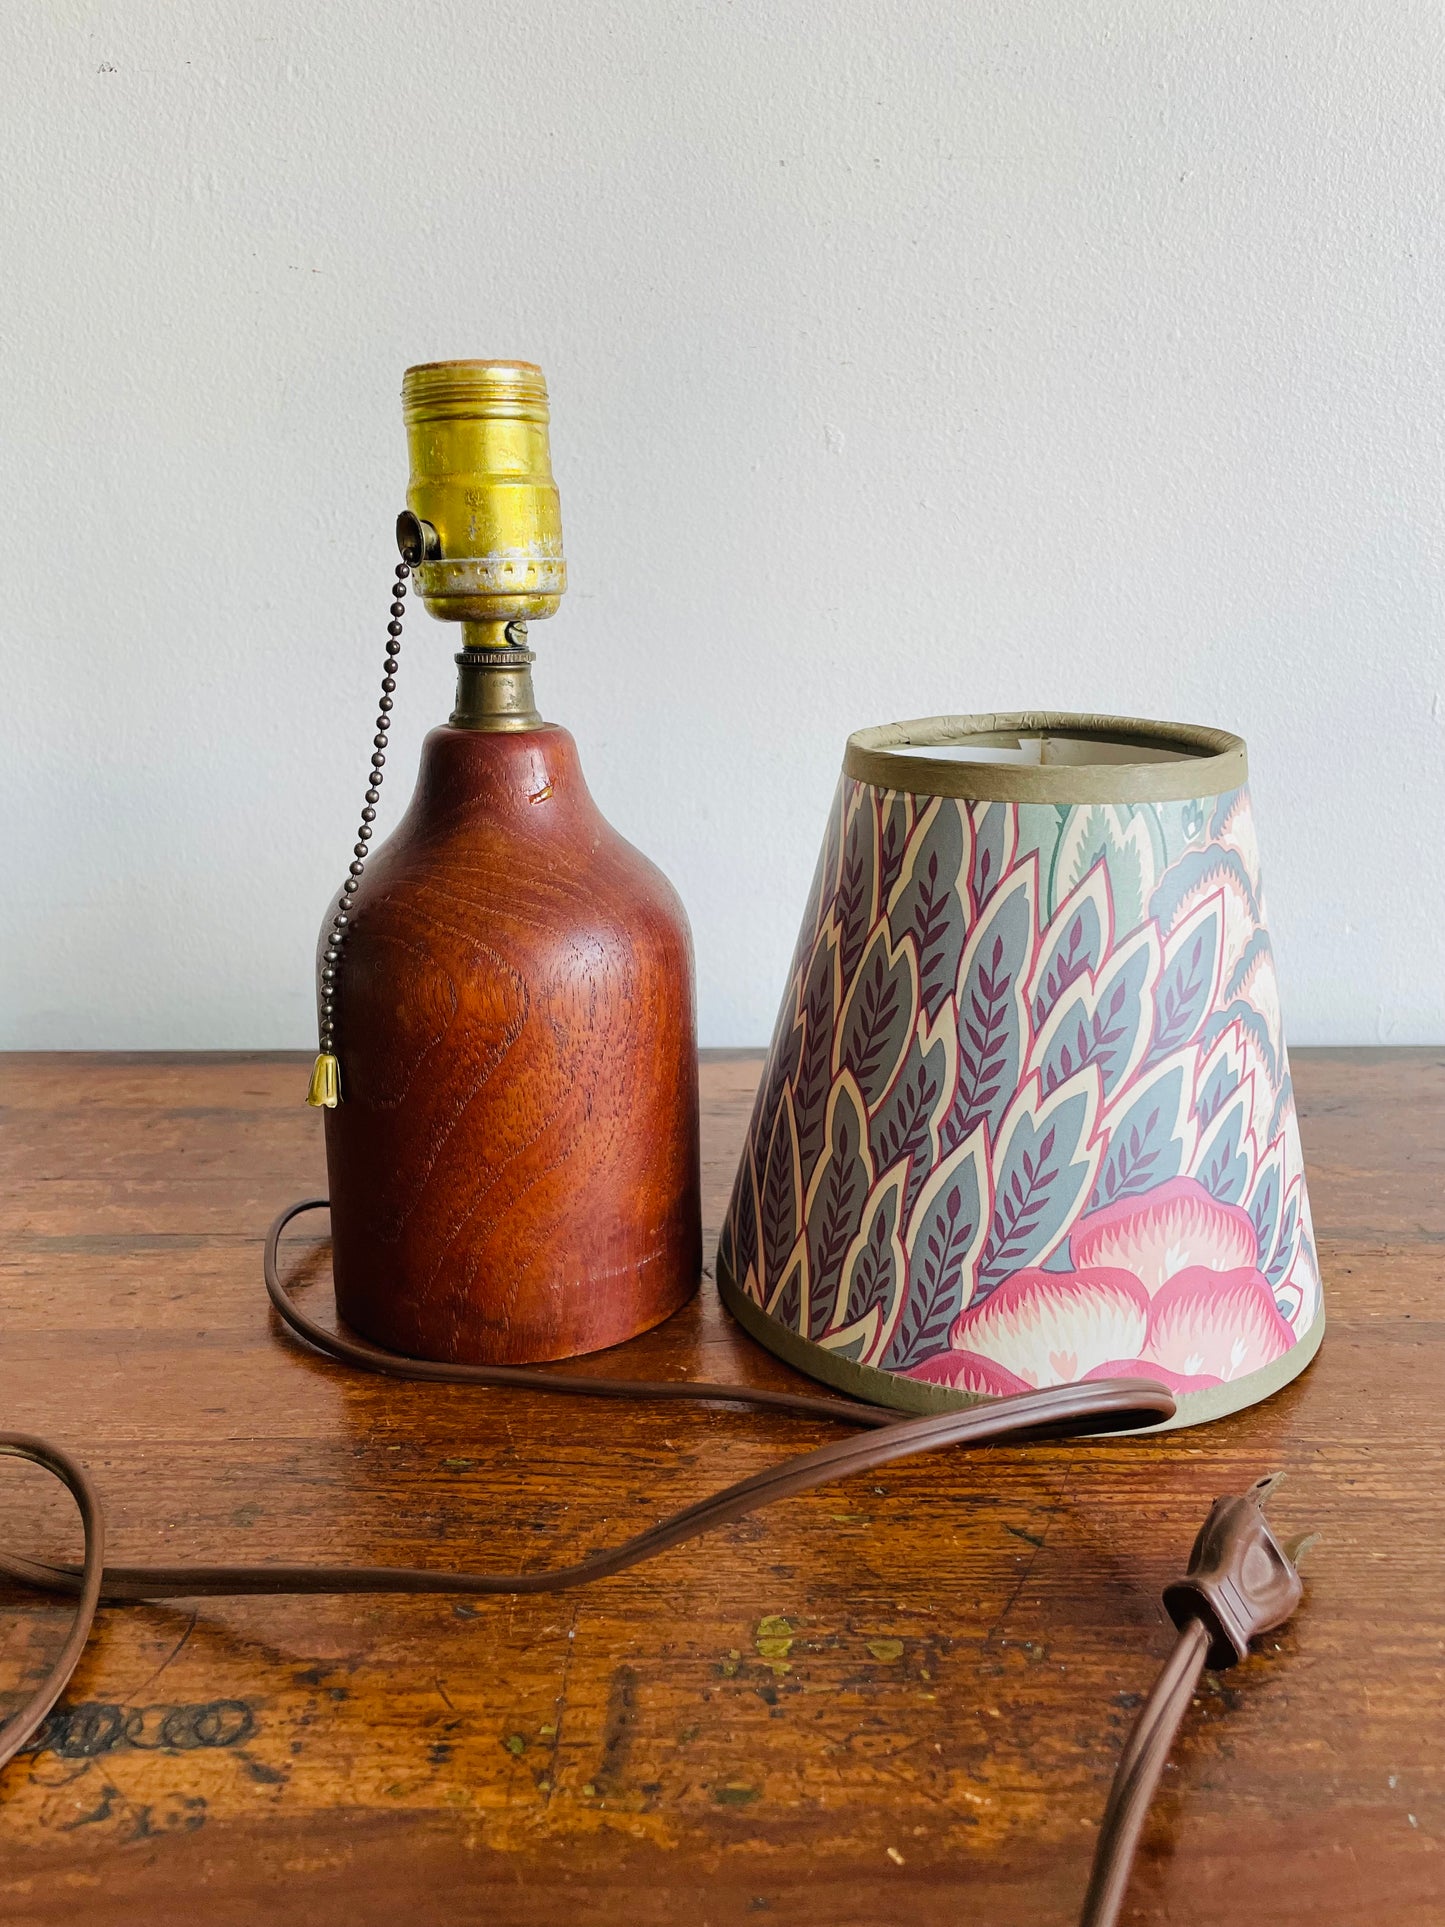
(903, 357)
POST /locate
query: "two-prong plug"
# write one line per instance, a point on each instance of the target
(1241, 1581)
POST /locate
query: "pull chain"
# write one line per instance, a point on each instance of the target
(326, 1073)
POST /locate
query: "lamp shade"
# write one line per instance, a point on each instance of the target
(1027, 1115)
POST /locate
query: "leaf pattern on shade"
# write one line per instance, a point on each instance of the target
(837, 1193)
(1127, 840)
(995, 836)
(878, 1016)
(788, 1301)
(874, 1269)
(1044, 1169)
(1266, 1202)
(895, 823)
(905, 1125)
(1220, 1071)
(1189, 981)
(928, 904)
(1104, 1020)
(1247, 1022)
(1074, 944)
(809, 1086)
(782, 1193)
(1207, 872)
(741, 1254)
(944, 1234)
(857, 901)
(1227, 1156)
(1002, 1022)
(1154, 1136)
(780, 1074)
(1288, 1240)
(992, 1008)
(1282, 1110)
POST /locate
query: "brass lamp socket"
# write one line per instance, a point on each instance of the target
(484, 518)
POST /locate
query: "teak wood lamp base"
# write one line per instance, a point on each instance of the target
(513, 1168)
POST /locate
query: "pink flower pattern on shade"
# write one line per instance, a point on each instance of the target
(1027, 1116)
(1166, 1288)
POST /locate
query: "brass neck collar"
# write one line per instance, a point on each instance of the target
(494, 689)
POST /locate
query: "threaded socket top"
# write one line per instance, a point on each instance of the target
(440, 391)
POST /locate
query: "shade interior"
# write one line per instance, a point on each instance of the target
(1027, 749)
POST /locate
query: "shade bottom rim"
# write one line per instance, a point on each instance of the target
(914, 1395)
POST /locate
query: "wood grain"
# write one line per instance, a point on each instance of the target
(513, 1167)
(897, 1699)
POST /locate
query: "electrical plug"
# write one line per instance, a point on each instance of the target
(1241, 1580)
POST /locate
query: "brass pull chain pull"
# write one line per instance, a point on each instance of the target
(325, 1088)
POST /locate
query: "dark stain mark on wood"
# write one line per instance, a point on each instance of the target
(619, 1731)
(94, 1727)
(131, 1820)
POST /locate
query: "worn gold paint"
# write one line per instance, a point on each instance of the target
(481, 478)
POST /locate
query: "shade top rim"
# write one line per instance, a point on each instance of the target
(1082, 758)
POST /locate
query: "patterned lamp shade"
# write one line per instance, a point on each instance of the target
(1027, 1115)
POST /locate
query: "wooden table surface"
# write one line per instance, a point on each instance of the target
(895, 1700)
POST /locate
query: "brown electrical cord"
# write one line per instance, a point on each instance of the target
(1137, 1775)
(27, 1718)
(372, 1358)
(1109, 1405)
